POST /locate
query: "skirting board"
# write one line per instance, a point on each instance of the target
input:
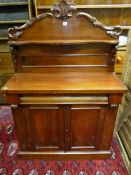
(65, 156)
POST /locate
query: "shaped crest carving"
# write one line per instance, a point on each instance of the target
(113, 31)
(63, 11)
(15, 32)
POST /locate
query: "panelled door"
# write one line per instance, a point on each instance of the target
(41, 126)
(86, 127)
(60, 127)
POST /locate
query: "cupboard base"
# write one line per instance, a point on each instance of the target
(61, 155)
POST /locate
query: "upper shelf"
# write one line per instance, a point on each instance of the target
(13, 3)
(90, 6)
(14, 22)
(13, 13)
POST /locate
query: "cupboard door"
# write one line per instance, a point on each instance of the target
(47, 123)
(43, 128)
(86, 127)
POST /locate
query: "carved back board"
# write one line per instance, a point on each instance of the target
(64, 39)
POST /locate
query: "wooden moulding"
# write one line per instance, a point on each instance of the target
(61, 155)
(62, 42)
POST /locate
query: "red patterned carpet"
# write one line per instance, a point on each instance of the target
(11, 165)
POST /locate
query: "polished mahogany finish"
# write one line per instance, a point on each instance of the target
(64, 83)
(64, 95)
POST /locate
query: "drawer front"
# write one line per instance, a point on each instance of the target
(5, 58)
(6, 64)
(119, 62)
(4, 48)
(63, 99)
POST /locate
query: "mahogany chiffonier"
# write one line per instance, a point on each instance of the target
(64, 94)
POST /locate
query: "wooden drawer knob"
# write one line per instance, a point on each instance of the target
(119, 59)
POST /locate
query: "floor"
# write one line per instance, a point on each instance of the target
(11, 165)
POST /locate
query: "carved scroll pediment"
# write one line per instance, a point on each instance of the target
(63, 10)
(113, 31)
(15, 32)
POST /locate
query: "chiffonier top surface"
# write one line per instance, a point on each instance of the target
(66, 82)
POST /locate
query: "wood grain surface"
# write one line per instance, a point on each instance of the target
(65, 82)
